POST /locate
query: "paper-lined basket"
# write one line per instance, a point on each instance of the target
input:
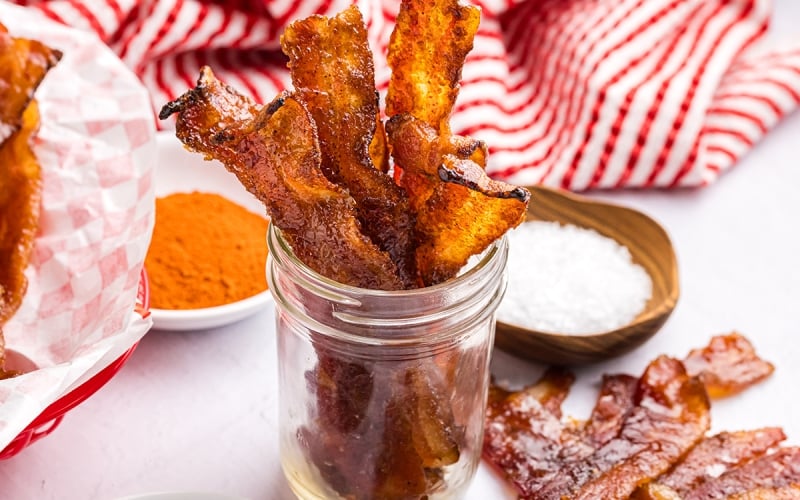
(96, 145)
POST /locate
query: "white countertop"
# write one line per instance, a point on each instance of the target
(197, 411)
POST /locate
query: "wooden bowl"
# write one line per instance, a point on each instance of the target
(649, 246)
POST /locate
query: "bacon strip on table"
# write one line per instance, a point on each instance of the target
(719, 453)
(776, 470)
(727, 365)
(645, 437)
(524, 437)
(670, 416)
(615, 401)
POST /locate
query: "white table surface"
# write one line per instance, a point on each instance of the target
(196, 411)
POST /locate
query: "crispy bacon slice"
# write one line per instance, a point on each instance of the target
(212, 118)
(524, 437)
(717, 454)
(20, 198)
(550, 391)
(427, 50)
(777, 470)
(23, 65)
(615, 401)
(791, 492)
(417, 152)
(727, 365)
(459, 209)
(670, 416)
(644, 439)
(462, 217)
(379, 147)
(332, 70)
(275, 154)
(655, 491)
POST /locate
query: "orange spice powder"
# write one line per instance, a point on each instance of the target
(206, 251)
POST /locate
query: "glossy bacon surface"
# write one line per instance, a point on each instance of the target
(459, 210)
(20, 197)
(615, 401)
(332, 71)
(23, 65)
(727, 365)
(719, 453)
(525, 438)
(426, 52)
(275, 153)
(645, 437)
(776, 470)
(670, 415)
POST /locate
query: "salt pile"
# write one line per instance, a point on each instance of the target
(567, 279)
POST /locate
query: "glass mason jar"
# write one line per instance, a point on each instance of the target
(382, 394)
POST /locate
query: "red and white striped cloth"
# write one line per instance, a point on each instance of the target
(574, 93)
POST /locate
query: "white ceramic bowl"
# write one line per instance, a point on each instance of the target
(180, 171)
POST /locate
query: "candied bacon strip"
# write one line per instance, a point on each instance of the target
(727, 365)
(282, 166)
(550, 391)
(379, 147)
(777, 470)
(427, 49)
(23, 65)
(655, 491)
(459, 209)
(418, 150)
(462, 217)
(671, 415)
(791, 492)
(615, 401)
(212, 118)
(717, 454)
(275, 155)
(524, 438)
(332, 69)
(20, 199)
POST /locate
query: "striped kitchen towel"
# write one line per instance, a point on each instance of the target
(574, 93)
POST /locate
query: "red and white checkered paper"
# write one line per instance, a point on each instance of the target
(574, 93)
(96, 145)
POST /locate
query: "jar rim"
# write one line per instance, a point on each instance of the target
(274, 237)
(415, 319)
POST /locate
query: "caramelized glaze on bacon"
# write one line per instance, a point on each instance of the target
(719, 453)
(791, 492)
(23, 65)
(670, 415)
(645, 437)
(615, 401)
(525, 439)
(727, 365)
(332, 69)
(776, 470)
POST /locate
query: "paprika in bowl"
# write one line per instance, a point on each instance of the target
(208, 252)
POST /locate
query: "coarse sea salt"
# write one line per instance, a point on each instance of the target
(568, 279)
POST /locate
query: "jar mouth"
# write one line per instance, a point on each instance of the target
(417, 317)
(279, 249)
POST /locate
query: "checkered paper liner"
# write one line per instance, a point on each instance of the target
(96, 145)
